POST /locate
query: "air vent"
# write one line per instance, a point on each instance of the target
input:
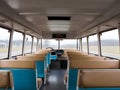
(59, 18)
(58, 35)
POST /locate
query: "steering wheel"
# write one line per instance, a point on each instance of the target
(58, 52)
(50, 48)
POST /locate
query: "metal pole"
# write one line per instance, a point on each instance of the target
(119, 36)
(58, 43)
(23, 45)
(41, 43)
(81, 44)
(32, 44)
(99, 42)
(77, 44)
(37, 47)
(88, 44)
(10, 42)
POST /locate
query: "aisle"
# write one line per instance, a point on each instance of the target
(55, 80)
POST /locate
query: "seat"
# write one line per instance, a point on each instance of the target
(5, 79)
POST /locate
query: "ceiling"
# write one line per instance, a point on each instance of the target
(85, 15)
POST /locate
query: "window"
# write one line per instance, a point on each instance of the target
(4, 42)
(68, 43)
(110, 44)
(93, 44)
(49, 43)
(84, 44)
(28, 44)
(34, 44)
(17, 43)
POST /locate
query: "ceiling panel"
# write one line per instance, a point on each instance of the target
(82, 12)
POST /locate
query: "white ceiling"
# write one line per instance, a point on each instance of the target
(82, 12)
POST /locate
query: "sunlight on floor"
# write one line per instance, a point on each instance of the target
(52, 78)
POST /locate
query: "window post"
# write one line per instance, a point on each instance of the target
(88, 44)
(99, 42)
(37, 44)
(10, 41)
(58, 43)
(81, 44)
(119, 36)
(23, 46)
(41, 43)
(77, 44)
(32, 44)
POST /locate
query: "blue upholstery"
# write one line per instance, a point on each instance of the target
(99, 88)
(49, 60)
(6, 68)
(72, 79)
(53, 57)
(24, 79)
(40, 69)
(45, 63)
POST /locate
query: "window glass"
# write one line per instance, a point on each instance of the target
(17, 43)
(84, 44)
(110, 44)
(34, 44)
(4, 42)
(49, 43)
(68, 44)
(93, 44)
(28, 44)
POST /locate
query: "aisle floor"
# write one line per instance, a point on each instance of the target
(55, 80)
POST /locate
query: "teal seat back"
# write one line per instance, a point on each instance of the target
(72, 79)
(40, 69)
(24, 79)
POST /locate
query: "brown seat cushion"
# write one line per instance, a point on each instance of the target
(17, 64)
(100, 78)
(95, 64)
(30, 58)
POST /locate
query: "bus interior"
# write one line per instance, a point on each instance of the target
(59, 44)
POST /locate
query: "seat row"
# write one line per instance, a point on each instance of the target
(27, 71)
(89, 72)
(23, 74)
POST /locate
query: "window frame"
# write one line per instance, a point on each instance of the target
(35, 45)
(25, 43)
(9, 30)
(97, 44)
(22, 44)
(86, 44)
(118, 42)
